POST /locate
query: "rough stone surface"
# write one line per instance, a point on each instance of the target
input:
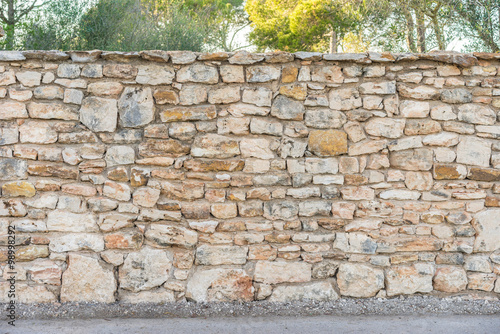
(86, 280)
(145, 269)
(359, 280)
(231, 176)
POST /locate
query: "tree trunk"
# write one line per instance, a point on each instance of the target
(410, 27)
(333, 42)
(420, 31)
(439, 33)
(10, 29)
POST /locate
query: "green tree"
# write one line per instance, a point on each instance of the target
(411, 25)
(311, 25)
(53, 26)
(127, 25)
(12, 14)
(480, 23)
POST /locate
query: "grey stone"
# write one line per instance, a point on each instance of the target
(99, 114)
(136, 107)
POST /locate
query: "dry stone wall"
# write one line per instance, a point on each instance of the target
(164, 176)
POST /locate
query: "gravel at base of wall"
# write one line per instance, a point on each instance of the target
(413, 305)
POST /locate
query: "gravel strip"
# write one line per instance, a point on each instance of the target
(414, 305)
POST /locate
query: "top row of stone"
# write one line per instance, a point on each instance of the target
(245, 58)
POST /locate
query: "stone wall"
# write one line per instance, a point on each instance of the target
(163, 176)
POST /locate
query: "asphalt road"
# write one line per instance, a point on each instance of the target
(442, 324)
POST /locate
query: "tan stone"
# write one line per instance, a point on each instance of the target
(359, 280)
(220, 285)
(326, 143)
(86, 280)
(282, 272)
(18, 189)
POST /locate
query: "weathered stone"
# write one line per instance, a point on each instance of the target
(198, 113)
(419, 180)
(443, 113)
(244, 58)
(476, 114)
(99, 114)
(480, 281)
(154, 75)
(449, 172)
(382, 88)
(400, 195)
(18, 189)
(123, 71)
(344, 99)
(318, 291)
(367, 147)
(487, 228)
(227, 94)
(145, 269)
(165, 96)
(330, 74)
(182, 57)
(13, 169)
(219, 255)
(409, 279)
(198, 73)
(474, 151)
(214, 146)
(118, 191)
(256, 148)
(86, 280)
(220, 285)
(385, 127)
(421, 127)
(76, 242)
(413, 160)
(146, 197)
(163, 148)
(327, 142)
(457, 95)
(414, 109)
(120, 155)
(288, 109)
(71, 71)
(325, 118)
(484, 174)
(418, 92)
(165, 236)
(12, 110)
(136, 107)
(262, 73)
(232, 74)
(280, 210)
(450, 279)
(282, 272)
(62, 221)
(359, 280)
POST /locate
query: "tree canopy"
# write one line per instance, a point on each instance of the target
(220, 25)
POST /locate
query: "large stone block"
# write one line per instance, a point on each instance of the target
(145, 269)
(166, 236)
(136, 107)
(220, 285)
(487, 226)
(325, 143)
(218, 255)
(317, 291)
(282, 272)
(359, 280)
(86, 280)
(99, 114)
(409, 279)
(214, 146)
